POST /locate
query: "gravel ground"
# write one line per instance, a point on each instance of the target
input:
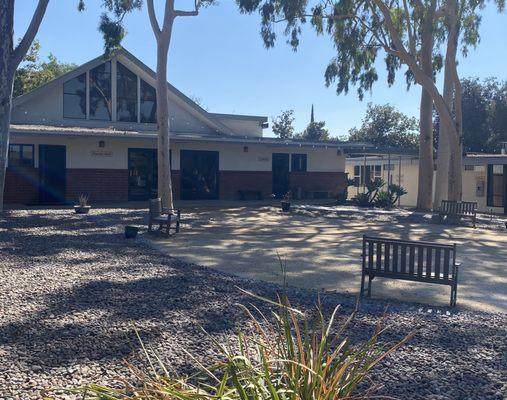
(71, 288)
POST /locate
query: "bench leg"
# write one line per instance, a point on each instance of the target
(362, 285)
(150, 226)
(370, 278)
(454, 295)
(178, 226)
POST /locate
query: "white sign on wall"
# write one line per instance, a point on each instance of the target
(101, 153)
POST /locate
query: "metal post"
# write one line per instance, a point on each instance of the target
(364, 172)
(388, 169)
(399, 180)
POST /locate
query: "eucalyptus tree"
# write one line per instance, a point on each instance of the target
(162, 27)
(405, 32)
(11, 56)
(461, 22)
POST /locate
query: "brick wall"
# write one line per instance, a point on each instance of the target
(233, 181)
(334, 182)
(21, 186)
(100, 184)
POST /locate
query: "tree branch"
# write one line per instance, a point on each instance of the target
(195, 12)
(153, 18)
(23, 46)
(181, 13)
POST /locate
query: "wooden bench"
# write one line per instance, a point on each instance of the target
(411, 261)
(466, 209)
(168, 219)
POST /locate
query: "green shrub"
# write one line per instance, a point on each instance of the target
(374, 196)
(287, 357)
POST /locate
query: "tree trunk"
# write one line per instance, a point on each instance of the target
(163, 154)
(444, 156)
(453, 136)
(425, 186)
(456, 145)
(10, 58)
(6, 82)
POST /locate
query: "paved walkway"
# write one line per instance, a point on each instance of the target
(324, 253)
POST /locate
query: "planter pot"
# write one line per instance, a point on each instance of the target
(82, 209)
(285, 206)
(131, 232)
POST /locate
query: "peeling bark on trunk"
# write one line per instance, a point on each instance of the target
(443, 153)
(163, 38)
(163, 149)
(449, 177)
(10, 58)
(456, 144)
(425, 186)
(6, 82)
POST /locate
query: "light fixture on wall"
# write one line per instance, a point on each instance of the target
(245, 149)
(102, 144)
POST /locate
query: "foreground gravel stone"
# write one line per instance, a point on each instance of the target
(72, 289)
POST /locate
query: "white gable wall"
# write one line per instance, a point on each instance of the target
(45, 106)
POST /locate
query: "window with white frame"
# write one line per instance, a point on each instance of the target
(93, 98)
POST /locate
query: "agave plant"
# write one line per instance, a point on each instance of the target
(288, 356)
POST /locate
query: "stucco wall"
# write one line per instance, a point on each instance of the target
(243, 127)
(86, 153)
(409, 177)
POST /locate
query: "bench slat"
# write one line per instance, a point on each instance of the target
(395, 258)
(403, 259)
(387, 258)
(429, 261)
(446, 264)
(438, 254)
(411, 260)
(420, 261)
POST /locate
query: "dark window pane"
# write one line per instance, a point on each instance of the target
(74, 97)
(100, 92)
(148, 103)
(76, 85)
(14, 155)
(74, 106)
(27, 155)
(126, 97)
(21, 155)
(299, 162)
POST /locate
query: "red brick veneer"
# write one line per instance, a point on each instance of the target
(21, 186)
(100, 184)
(232, 181)
(333, 182)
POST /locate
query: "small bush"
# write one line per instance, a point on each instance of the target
(375, 197)
(288, 357)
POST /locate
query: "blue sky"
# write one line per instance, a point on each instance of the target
(219, 57)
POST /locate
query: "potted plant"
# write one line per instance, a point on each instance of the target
(82, 207)
(131, 231)
(286, 202)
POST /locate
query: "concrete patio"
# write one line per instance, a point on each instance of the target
(323, 252)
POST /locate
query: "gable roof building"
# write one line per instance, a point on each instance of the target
(93, 131)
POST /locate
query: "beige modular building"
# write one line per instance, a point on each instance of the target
(93, 131)
(484, 178)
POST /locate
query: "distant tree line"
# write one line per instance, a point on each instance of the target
(33, 72)
(484, 114)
